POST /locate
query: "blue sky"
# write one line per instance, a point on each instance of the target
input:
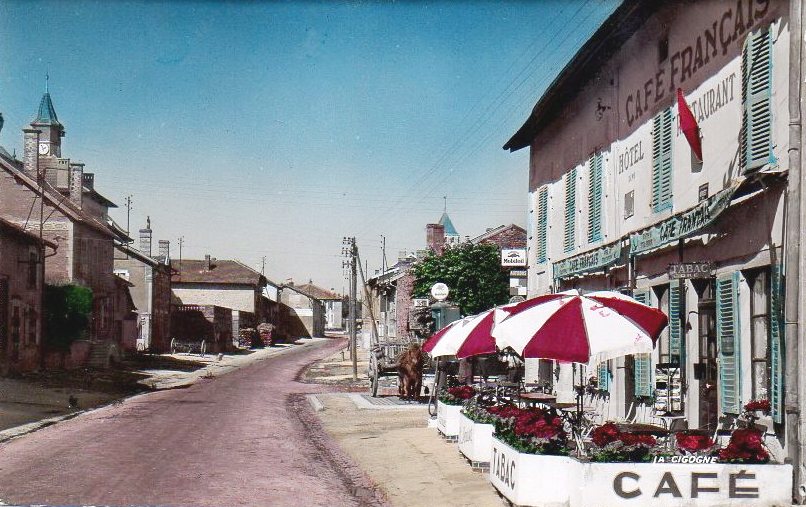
(274, 129)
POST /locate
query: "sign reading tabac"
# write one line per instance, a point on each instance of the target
(589, 261)
(683, 224)
(691, 270)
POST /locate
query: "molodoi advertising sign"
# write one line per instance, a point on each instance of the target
(515, 257)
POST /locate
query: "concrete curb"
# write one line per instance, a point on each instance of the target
(363, 403)
(25, 429)
(316, 404)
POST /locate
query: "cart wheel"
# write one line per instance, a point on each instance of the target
(173, 345)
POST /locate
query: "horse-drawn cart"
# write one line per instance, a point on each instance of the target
(384, 360)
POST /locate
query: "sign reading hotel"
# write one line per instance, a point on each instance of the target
(681, 225)
(589, 261)
(515, 257)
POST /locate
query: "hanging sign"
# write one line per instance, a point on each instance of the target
(691, 270)
(513, 257)
(589, 261)
(420, 302)
(440, 291)
(681, 225)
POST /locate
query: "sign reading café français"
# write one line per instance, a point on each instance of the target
(681, 225)
(589, 261)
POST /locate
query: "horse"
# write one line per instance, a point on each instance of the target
(410, 372)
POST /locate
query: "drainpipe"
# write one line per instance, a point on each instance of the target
(795, 384)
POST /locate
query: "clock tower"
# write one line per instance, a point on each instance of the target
(46, 121)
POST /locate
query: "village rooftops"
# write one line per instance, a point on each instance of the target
(215, 271)
(15, 230)
(613, 33)
(316, 292)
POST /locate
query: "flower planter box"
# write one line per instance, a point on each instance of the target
(534, 479)
(675, 484)
(448, 420)
(475, 441)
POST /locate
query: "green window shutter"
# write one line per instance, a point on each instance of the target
(675, 325)
(662, 161)
(595, 198)
(570, 210)
(756, 145)
(727, 332)
(776, 344)
(603, 373)
(643, 362)
(542, 224)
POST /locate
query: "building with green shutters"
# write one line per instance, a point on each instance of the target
(620, 201)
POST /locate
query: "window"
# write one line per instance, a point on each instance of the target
(642, 363)
(629, 204)
(727, 332)
(662, 161)
(595, 198)
(570, 210)
(759, 333)
(542, 224)
(33, 267)
(756, 139)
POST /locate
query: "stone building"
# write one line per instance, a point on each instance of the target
(227, 284)
(621, 199)
(301, 314)
(333, 304)
(48, 191)
(150, 279)
(21, 285)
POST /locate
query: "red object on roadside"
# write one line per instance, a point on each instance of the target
(689, 125)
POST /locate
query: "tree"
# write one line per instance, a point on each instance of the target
(67, 314)
(471, 271)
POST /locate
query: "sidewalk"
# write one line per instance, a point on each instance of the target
(392, 443)
(43, 398)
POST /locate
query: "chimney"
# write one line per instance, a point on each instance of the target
(145, 238)
(164, 249)
(31, 154)
(208, 264)
(435, 238)
(76, 184)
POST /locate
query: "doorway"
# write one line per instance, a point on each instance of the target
(705, 370)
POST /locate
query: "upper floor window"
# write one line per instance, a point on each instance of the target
(662, 161)
(570, 210)
(542, 224)
(595, 198)
(756, 139)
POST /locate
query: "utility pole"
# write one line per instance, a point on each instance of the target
(128, 212)
(350, 251)
(181, 241)
(263, 267)
(383, 250)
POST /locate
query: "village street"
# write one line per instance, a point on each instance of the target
(240, 439)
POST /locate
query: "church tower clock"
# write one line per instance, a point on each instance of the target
(46, 121)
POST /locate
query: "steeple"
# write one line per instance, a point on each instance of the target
(451, 236)
(47, 122)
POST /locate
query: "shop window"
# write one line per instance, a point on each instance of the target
(758, 282)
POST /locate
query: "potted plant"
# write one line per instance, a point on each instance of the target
(610, 445)
(476, 426)
(449, 406)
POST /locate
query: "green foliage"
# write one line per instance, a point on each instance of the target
(67, 314)
(472, 272)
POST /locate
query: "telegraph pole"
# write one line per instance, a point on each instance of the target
(263, 267)
(350, 251)
(383, 250)
(128, 212)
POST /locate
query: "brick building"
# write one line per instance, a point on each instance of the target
(55, 193)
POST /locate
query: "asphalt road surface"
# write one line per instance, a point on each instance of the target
(245, 438)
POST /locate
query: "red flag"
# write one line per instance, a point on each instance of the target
(689, 125)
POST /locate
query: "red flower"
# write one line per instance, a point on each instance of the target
(693, 443)
(462, 392)
(605, 434)
(745, 446)
(762, 405)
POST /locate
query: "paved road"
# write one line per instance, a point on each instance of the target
(240, 439)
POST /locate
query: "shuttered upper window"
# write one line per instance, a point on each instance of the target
(542, 224)
(756, 139)
(727, 332)
(662, 161)
(642, 362)
(595, 198)
(570, 210)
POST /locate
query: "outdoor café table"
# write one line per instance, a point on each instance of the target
(643, 429)
(669, 419)
(535, 398)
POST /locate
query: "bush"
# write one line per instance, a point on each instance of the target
(66, 314)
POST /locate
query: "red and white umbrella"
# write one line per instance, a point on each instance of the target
(571, 327)
(471, 336)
